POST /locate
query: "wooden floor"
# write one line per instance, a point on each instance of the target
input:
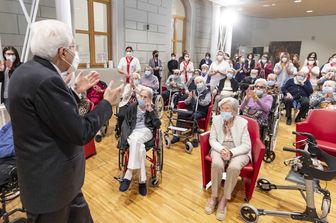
(180, 196)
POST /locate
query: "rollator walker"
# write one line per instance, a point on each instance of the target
(306, 171)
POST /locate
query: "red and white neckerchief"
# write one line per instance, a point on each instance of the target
(185, 65)
(128, 61)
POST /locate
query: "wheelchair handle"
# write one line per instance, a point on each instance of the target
(300, 151)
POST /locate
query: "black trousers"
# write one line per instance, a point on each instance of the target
(159, 78)
(304, 107)
(76, 212)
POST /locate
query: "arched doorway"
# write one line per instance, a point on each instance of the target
(178, 26)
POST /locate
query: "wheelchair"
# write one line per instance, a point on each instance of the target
(9, 190)
(305, 171)
(156, 161)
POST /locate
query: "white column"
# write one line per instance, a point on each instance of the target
(215, 28)
(63, 12)
(228, 38)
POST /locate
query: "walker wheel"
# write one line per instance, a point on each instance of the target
(167, 141)
(154, 182)
(188, 147)
(249, 213)
(264, 184)
(269, 156)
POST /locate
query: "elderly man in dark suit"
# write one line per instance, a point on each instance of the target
(48, 131)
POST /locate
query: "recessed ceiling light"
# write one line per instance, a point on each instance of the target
(309, 11)
(266, 5)
(273, 4)
(297, 1)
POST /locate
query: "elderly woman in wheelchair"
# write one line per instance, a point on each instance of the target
(149, 79)
(325, 98)
(137, 128)
(231, 146)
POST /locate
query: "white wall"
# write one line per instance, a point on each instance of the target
(13, 23)
(254, 32)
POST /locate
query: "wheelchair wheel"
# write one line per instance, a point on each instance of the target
(264, 184)
(249, 213)
(269, 156)
(121, 159)
(154, 182)
(103, 130)
(160, 151)
(159, 105)
(167, 140)
(188, 146)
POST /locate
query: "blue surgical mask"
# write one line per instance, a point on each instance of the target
(141, 103)
(226, 115)
(259, 93)
(199, 86)
(326, 90)
(270, 83)
(299, 78)
(147, 73)
(12, 58)
(136, 82)
(229, 75)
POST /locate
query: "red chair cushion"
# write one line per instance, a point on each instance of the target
(329, 147)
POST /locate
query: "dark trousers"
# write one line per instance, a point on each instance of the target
(159, 78)
(76, 212)
(304, 107)
(121, 116)
(6, 103)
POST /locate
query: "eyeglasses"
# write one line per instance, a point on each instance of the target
(259, 87)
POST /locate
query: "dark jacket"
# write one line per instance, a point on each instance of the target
(151, 121)
(2, 79)
(246, 82)
(205, 61)
(172, 65)
(234, 85)
(297, 91)
(49, 135)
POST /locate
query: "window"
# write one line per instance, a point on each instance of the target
(93, 31)
(178, 38)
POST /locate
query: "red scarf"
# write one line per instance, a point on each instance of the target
(185, 64)
(128, 61)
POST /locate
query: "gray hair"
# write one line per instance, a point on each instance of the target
(331, 83)
(261, 80)
(136, 74)
(48, 36)
(272, 75)
(148, 90)
(234, 104)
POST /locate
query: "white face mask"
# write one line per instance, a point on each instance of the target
(253, 75)
(284, 60)
(311, 62)
(186, 58)
(264, 61)
(220, 57)
(74, 65)
(11, 58)
(173, 58)
(129, 54)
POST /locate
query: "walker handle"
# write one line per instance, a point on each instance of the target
(300, 151)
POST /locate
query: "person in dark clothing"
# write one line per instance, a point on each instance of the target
(249, 80)
(249, 64)
(12, 61)
(156, 64)
(172, 64)
(48, 131)
(297, 91)
(206, 60)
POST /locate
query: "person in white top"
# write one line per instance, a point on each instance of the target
(129, 64)
(186, 69)
(284, 69)
(328, 67)
(312, 70)
(218, 70)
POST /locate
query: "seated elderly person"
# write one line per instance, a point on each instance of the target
(297, 91)
(257, 104)
(149, 79)
(325, 98)
(129, 96)
(137, 128)
(228, 87)
(174, 85)
(202, 98)
(272, 85)
(191, 85)
(249, 80)
(230, 145)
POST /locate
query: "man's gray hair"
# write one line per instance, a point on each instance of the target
(148, 90)
(232, 102)
(48, 36)
(261, 80)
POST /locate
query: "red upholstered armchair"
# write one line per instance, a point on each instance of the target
(90, 147)
(250, 172)
(203, 123)
(321, 123)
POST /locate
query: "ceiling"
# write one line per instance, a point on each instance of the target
(281, 8)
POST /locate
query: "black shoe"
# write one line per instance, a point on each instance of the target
(143, 189)
(194, 142)
(98, 138)
(124, 185)
(175, 139)
(289, 121)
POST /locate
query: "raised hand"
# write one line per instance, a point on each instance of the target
(83, 83)
(113, 95)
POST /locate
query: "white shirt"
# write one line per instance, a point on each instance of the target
(134, 65)
(283, 77)
(221, 67)
(326, 68)
(190, 70)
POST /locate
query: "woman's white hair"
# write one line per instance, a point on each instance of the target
(48, 36)
(261, 80)
(199, 78)
(330, 83)
(232, 102)
(148, 90)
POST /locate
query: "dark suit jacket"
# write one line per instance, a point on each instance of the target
(49, 135)
(2, 80)
(234, 85)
